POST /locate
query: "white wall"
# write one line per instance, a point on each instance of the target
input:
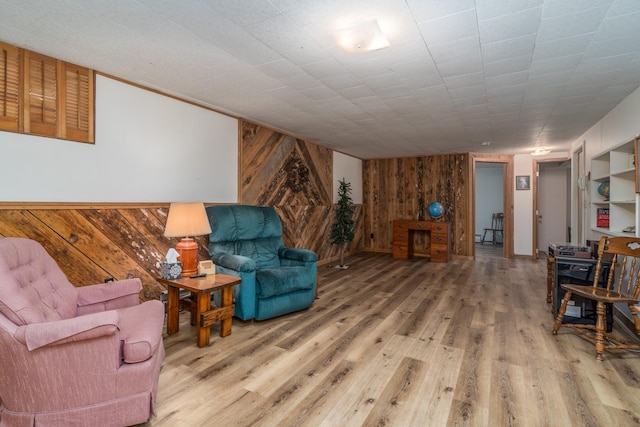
(349, 168)
(149, 148)
(621, 124)
(523, 215)
(522, 208)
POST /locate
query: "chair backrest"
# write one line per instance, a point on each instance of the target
(251, 231)
(624, 271)
(33, 289)
(496, 221)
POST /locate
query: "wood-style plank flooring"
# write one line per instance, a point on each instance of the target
(403, 343)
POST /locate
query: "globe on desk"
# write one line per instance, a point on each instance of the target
(603, 189)
(436, 210)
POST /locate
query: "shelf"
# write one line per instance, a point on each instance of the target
(615, 166)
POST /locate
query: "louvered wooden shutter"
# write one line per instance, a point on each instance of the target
(41, 87)
(9, 87)
(77, 120)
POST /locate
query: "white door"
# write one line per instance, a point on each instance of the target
(553, 200)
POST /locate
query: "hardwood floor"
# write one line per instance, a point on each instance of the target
(403, 343)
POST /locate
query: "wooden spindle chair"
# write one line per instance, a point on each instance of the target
(496, 228)
(621, 287)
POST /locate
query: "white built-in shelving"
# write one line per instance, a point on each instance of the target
(617, 166)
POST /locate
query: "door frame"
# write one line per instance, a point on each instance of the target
(534, 188)
(507, 235)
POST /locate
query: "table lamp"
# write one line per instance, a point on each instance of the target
(187, 220)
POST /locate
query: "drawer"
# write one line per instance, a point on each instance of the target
(439, 228)
(440, 239)
(439, 253)
(400, 236)
(399, 225)
(400, 251)
(418, 225)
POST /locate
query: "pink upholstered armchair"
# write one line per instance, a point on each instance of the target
(72, 356)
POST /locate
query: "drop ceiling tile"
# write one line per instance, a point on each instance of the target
(279, 34)
(555, 65)
(619, 27)
(504, 93)
(563, 47)
(342, 81)
(239, 12)
(623, 7)
(477, 91)
(280, 68)
(301, 81)
(600, 49)
(512, 25)
(563, 26)
(506, 80)
(474, 79)
(423, 10)
(449, 28)
(328, 67)
(319, 93)
(455, 51)
(460, 67)
(507, 66)
(509, 48)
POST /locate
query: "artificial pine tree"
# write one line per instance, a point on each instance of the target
(342, 228)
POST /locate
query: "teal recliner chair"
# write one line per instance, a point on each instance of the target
(246, 241)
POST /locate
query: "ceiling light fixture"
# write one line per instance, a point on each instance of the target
(363, 37)
(540, 152)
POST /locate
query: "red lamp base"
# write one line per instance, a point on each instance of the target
(188, 250)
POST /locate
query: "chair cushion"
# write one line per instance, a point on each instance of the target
(141, 330)
(251, 231)
(34, 289)
(282, 280)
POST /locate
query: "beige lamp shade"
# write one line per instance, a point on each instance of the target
(187, 219)
(184, 220)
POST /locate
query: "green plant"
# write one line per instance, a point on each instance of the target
(342, 229)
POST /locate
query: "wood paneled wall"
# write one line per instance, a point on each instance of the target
(403, 188)
(93, 243)
(296, 178)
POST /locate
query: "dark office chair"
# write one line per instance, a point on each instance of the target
(621, 287)
(496, 227)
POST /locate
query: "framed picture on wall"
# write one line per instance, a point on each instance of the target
(523, 182)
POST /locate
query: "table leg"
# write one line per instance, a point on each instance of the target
(550, 270)
(172, 309)
(203, 305)
(192, 318)
(226, 301)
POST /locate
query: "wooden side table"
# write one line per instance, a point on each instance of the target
(201, 311)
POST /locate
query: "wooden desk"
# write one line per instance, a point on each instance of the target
(440, 233)
(201, 312)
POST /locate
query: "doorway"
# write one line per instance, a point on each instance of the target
(492, 193)
(552, 203)
(489, 202)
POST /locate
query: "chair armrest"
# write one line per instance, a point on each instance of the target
(234, 262)
(298, 254)
(108, 296)
(36, 335)
(141, 330)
